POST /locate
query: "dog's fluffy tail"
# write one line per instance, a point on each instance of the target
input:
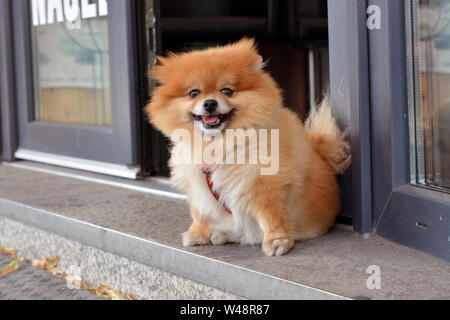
(326, 137)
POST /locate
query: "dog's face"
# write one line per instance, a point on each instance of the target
(212, 90)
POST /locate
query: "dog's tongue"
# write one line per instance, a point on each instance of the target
(210, 119)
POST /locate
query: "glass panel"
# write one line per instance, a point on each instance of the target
(429, 86)
(71, 62)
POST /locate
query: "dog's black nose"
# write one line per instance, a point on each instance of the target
(211, 105)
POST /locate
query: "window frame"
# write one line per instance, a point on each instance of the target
(116, 145)
(413, 215)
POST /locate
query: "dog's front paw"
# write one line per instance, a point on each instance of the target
(191, 239)
(219, 238)
(277, 247)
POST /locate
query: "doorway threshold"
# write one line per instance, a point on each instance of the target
(111, 169)
(159, 186)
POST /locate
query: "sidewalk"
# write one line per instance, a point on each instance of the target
(29, 283)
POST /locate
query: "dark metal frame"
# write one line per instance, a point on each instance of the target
(159, 155)
(350, 99)
(114, 145)
(8, 116)
(409, 214)
(368, 71)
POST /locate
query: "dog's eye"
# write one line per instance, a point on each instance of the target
(227, 91)
(194, 93)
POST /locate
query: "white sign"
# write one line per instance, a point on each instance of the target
(49, 11)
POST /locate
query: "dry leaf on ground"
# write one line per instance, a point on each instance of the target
(8, 252)
(130, 297)
(13, 266)
(112, 294)
(13, 253)
(78, 282)
(51, 266)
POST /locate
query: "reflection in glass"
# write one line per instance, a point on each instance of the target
(71, 72)
(430, 114)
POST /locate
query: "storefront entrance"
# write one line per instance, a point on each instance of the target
(74, 84)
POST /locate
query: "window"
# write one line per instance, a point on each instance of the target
(430, 110)
(71, 71)
(409, 117)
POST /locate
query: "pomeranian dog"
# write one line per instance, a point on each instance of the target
(207, 94)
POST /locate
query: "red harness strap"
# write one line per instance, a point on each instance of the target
(210, 185)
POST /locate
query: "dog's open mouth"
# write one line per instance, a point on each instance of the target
(213, 121)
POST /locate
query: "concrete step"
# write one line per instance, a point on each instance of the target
(129, 239)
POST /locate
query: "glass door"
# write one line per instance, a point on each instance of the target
(76, 84)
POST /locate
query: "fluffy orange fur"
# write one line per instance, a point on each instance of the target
(299, 202)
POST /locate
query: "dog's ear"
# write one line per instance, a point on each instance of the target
(160, 70)
(259, 64)
(248, 47)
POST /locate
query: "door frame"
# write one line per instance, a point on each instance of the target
(350, 102)
(8, 114)
(117, 145)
